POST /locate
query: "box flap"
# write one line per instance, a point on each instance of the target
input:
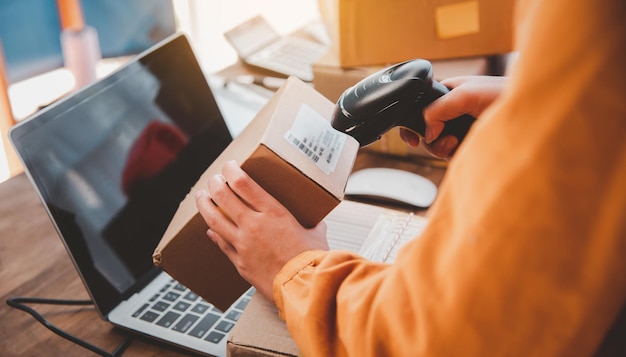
(206, 270)
(271, 340)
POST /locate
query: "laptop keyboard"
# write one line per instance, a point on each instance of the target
(177, 308)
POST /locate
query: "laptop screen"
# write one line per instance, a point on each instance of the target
(113, 161)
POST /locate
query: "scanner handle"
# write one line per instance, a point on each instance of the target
(458, 126)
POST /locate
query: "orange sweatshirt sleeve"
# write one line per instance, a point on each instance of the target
(524, 250)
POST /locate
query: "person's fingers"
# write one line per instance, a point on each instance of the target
(247, 189)
(449, 106)
(224, 245)
(433, 128)
(454, 82)
(409, 137)
(231, 205)
(213, 216)
(444, 147)
(468, 95)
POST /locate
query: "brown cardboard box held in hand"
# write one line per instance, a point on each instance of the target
(292, 151)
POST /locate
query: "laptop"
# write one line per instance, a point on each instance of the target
(111, 163)
(259, 45)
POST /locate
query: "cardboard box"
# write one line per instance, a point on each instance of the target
(331, 80)
(291, 150)
(260, 332)
(370, 32)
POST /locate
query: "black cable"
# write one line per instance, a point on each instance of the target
(19, 303)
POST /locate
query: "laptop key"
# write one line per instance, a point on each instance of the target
(160, 306)
(185, 323)
(180, 287)
(241, 305)
(140, 310)
(191, 296)
(233, 315)
(224, 326)
(181, 306)
(168, 319)
(204, 325)
(150, 316)
(171, 296)
(200, 308)
(214, 337)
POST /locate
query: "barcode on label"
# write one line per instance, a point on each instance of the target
(313, 135)
(303, 147)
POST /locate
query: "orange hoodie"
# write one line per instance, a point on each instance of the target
(525, 250)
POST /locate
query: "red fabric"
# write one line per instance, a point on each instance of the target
(156, 147)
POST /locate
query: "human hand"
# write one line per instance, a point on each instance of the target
(257, 233)
(468, 95)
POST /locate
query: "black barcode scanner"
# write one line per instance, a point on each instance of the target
(394, 96)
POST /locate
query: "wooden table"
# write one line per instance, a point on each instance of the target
(34, 263)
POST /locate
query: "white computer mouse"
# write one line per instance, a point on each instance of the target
(392, 185)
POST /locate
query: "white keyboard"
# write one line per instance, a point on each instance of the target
(289, 55)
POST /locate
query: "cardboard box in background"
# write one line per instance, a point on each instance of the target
(372, 32)
(291, 150)
(331, 80)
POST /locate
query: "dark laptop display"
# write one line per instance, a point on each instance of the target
(113, 161)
